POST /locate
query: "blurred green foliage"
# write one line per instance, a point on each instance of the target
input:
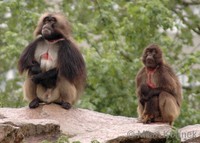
(112, 35)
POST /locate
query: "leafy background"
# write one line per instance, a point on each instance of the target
(112, 35)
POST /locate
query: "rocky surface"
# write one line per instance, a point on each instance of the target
(17, 129)
(190, 134)
(47, 122)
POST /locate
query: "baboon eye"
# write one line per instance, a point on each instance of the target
(147, 52)
(46, 19)
(53, 20)
(49, 20)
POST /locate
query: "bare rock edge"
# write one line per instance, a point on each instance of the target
(48, 122)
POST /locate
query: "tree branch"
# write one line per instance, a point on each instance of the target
(185, 3)
(195, 29)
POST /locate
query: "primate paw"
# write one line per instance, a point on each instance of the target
(148, 121)
(145, 89)
(36, 79)
(34, 103)
(65, 105)
(36, 70)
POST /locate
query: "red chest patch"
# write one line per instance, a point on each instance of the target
(150, 74)
(46, 56)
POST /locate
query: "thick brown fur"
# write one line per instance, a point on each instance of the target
(60, 80)
(63, 26)
(165, 101)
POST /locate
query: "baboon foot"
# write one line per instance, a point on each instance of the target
(65, 105)
(34, 103)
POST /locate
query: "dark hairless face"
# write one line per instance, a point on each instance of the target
(152, 57)
(48, 28)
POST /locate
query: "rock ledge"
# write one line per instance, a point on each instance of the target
(47, 122)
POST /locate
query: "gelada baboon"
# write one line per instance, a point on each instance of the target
(158, 89)
(54, 66)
